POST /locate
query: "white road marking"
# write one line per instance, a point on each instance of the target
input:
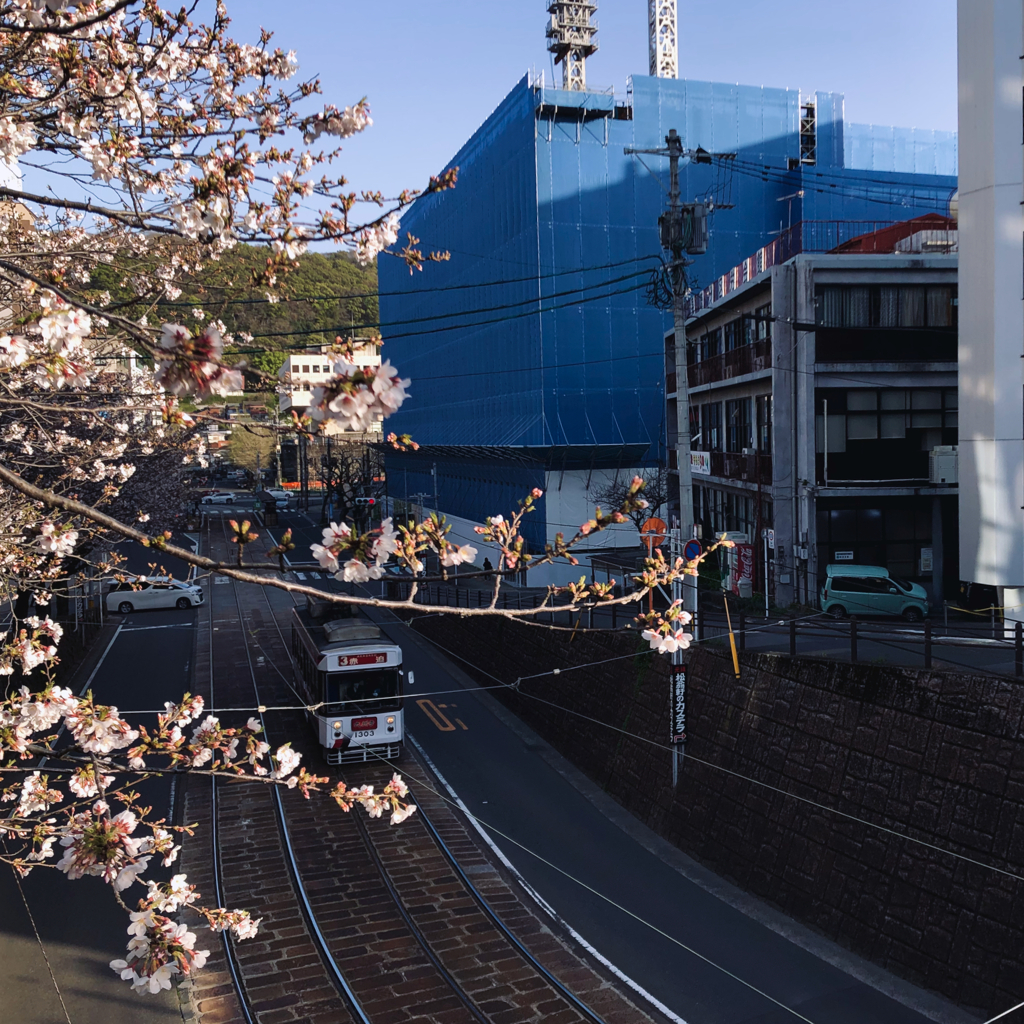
(541, 902)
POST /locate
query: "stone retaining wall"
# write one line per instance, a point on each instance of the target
(933, 755)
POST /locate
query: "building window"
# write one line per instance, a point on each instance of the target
(733, 335)
(763, 316)
(737, 424)
(710, 345)
(886, 306)
(710, 428)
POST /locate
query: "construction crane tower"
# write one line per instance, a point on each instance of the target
(661, 27)
(571, 39)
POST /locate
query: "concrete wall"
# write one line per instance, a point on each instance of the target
(929, 754)
(991, 313)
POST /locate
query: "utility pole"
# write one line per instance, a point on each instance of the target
(277, 448)
(433, 473)
(684, 230)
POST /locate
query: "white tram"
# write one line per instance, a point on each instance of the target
(344, 666)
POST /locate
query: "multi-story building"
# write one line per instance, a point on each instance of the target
(991, 85)
(535, 355)
(823, 392)
(303, 371)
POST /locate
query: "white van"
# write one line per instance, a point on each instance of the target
(871, 590)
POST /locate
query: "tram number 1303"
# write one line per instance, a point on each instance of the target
(363, 733)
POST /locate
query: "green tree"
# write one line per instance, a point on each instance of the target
(250, 445)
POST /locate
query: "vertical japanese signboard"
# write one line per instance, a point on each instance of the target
(678, 704)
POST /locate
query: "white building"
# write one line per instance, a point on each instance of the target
(991, 369)
(303, 371)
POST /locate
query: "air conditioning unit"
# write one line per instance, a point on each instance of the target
(942, 464)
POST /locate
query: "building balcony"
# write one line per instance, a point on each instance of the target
(755, 468)
(745, 359)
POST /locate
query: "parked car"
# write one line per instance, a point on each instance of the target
(153, 592)
(871, 590)
(220, 498)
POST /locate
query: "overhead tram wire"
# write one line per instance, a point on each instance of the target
(833, 175)
(937, 195)
(533, 278)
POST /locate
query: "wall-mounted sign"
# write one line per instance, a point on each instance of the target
(678, 703)
(844, 556)
(700, 463)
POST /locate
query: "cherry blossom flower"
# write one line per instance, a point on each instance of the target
(454, 555)
(376, 239)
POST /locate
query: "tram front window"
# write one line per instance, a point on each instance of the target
(362, 693)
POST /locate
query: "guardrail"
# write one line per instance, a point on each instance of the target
(780, 634)
(784, 634)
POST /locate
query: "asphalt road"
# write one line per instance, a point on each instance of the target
(583, 864)
(81, 927)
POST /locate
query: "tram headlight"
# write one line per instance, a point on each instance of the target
(391, 719)
(336, 726)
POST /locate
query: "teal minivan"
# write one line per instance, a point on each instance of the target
(871, 590)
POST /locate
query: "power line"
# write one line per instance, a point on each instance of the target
(448, 316)
(533, 278)
(728, 771)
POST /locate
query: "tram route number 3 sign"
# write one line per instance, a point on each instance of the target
(345, 660)
(679, 704)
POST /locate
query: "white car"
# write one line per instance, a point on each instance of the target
(153, 592)
(282, 497)
(220, 498)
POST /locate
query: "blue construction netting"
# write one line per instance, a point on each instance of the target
(558, 345)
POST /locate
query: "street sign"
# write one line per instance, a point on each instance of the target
(691, 550)
(771, 539)
(679, 704)
(654, 532)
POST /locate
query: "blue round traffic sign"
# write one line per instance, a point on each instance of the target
(691, 550)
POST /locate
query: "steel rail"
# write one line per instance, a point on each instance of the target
(234, 969)
(300, 890)
(566, 994)
(475, 893)
(371, 849)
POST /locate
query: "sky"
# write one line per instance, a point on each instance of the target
(433, 72)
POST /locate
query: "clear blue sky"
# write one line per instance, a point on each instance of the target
(434, 71)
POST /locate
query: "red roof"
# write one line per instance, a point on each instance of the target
(885, 239)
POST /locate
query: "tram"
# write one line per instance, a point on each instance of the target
(357, 678)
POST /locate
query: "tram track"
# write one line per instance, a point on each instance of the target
(381, 904)
(450, 862)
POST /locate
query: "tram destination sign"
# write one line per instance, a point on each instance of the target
(348, 660)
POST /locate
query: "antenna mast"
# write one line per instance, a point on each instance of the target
(661, 26)
(571, 40)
